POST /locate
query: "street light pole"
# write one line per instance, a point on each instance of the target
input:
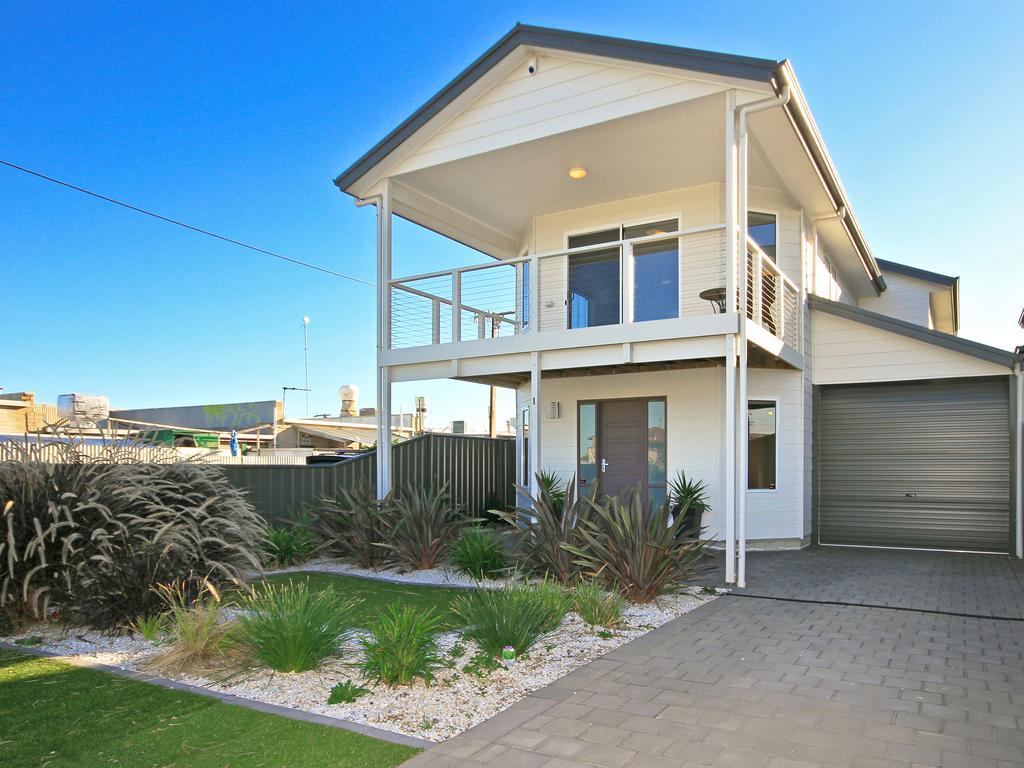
(305, 356)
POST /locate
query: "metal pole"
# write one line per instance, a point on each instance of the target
(305, 357)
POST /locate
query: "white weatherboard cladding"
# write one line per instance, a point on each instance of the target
(563, 95)
(905, 298)
(695, 416)
(847, 352)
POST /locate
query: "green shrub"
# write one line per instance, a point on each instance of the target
(95, 539)
(478, 552)
(402, 646)
(288, 544)
(197, 635)
(481, 665)
(346, 693)
(516, 615)
(554, 486)
(152, 627)
(547, 528)
(353, 523)
(637, 551)
(424, 525)
(291, 628)
(688, 498)
(597, 607)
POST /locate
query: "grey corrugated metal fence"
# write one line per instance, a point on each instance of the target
(479, 471)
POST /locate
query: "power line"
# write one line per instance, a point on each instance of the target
(183, 225)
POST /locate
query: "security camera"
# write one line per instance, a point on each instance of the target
(531, 65)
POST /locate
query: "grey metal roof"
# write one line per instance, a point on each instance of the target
(724, 64)
(920, 274)
(914, 331)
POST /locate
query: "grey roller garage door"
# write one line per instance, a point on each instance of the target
(914, 464)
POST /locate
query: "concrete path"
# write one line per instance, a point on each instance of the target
(769, 683)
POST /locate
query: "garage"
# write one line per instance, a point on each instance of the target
(919, 464)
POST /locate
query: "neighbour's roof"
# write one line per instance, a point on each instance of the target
(915, 272)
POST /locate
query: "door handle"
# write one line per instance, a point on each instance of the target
(604, 465)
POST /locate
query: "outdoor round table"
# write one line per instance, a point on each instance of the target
(717, 298)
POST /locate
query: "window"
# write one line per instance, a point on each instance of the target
(657, 454)
(525, 294)
(594, 288)
(587, 445)
(594, 277)
(762, 230)
(656, 280)
(762, 422)
(524, 432)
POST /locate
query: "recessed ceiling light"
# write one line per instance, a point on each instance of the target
(577, 173)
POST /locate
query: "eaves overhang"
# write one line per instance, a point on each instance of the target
(882, 322)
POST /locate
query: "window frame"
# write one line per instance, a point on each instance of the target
(626, 283)
(778, 420)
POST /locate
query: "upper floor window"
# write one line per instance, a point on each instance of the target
(595, 295)
(763, 230)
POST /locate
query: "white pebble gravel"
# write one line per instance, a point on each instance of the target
(455, 701)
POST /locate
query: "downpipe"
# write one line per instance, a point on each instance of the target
(743, 114)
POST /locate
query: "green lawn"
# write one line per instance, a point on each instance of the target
(377, 594)
(59, 716)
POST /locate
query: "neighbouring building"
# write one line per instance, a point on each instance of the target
(678, 282)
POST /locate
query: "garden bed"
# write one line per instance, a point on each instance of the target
(456, 700)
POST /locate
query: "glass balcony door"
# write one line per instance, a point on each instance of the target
(594, 295)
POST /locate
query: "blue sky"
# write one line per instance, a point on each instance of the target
(235, 117)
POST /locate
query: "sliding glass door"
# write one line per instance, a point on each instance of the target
(594, 289)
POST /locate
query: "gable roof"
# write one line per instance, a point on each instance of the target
(561, 40)
(913, 331)
(915, 272)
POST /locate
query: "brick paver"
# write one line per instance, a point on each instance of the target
(778, 684)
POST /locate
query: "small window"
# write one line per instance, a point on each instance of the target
(648, 230)
(657, 453)
(524, 431)
(594, 238)
(762, 425)
(587, 442)
(762, 230)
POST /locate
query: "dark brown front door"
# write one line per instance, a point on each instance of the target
(622, 445)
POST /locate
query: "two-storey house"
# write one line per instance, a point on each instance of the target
(672, 278)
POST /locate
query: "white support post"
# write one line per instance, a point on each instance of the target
(626, 270)
(435, 321)
(456, 306)
(741, 394)
(732, 252)
(534, 297)
(535, 409)
(384, 343)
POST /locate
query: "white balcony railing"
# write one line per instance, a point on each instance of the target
(530, 294)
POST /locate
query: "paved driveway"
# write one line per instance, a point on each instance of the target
(774, 683)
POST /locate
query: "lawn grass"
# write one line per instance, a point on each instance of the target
(377, 594)
(56, 715)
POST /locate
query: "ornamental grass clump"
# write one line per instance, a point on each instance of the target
(288, 544)
(516, 615)
(93, 540)
(637, 551)
(547, 528)
(424, 525)
(597, 607)
(291, 628)
(479, 552)
(402, 646)
(196, 634)
(354, 523)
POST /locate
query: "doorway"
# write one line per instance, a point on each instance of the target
(622, 445)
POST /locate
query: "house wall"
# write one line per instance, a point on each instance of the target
(695, 421)
(905, 298)
(845, 351)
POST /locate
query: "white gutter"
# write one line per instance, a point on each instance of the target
(742, 417)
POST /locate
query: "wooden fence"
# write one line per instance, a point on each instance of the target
(479, 472)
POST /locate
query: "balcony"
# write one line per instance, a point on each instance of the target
(651, 283)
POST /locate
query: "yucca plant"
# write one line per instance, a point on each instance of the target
(638, 551)
(402, 646)
(288, 544)
(479, 552)
(516, 615)
(425, 523)
(197, 636)
(353, 523)
(597, 607)
(554, 486)
(688, 498)
(547, 528)
(291, 628)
